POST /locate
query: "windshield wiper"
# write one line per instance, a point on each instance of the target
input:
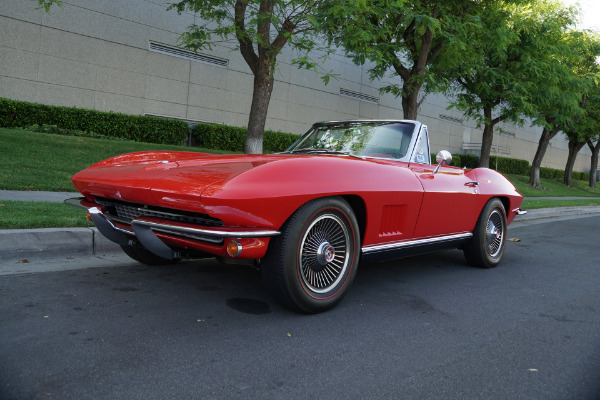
(324, 151)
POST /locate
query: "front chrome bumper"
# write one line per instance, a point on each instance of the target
(145, 229)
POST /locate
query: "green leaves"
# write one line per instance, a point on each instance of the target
(46, 4)
(405, 36)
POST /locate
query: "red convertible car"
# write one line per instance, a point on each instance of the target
(344, 193)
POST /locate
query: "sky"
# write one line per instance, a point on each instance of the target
(590, 13)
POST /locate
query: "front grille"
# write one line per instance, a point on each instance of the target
(126, 212)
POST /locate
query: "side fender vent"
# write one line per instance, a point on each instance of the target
(392, 220)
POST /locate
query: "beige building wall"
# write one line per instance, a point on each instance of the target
(96, 54)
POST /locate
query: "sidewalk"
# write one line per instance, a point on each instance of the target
(17, 245)
(21, 195)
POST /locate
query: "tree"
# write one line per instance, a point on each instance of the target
(584, 127)
(557, 103)
(511, 67)
(405, 36)
(595, 149)
(593, 141)
(262, 29)
(586, 131)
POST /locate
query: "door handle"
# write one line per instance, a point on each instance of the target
(472, 184)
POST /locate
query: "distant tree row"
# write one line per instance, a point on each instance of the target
(496, 60)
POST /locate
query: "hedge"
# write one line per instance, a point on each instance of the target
(15, 113)
(231, 138)
(552, 173)
(469, 160)
(510, 165)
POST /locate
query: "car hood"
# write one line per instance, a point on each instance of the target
(165, 178)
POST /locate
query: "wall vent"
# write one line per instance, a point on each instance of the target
(189, 55)
(359, 96)
(451, 119)
(507, 133)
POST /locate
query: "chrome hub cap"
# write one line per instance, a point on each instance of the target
(494, 236)
(324, 253)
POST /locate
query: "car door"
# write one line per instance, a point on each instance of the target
(451, 203)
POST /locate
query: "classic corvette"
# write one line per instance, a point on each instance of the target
(344, 193)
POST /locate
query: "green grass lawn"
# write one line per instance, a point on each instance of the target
(553, 188)
(42, 161)
(533, 204)
(29, 214)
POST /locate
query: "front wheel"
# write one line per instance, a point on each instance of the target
(310, 266)
(486, 248)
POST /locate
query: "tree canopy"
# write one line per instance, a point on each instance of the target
(403, 36)
(513, 68)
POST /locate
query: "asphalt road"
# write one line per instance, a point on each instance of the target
(428, 327)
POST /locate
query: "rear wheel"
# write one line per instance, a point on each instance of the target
(310, 266)
(142, 255)
(486, 248)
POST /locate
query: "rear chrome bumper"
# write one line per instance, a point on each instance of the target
(145, 229)
(518, 211)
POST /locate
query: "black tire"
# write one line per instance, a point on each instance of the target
(311, 265)
(145, 257)
(486, 248)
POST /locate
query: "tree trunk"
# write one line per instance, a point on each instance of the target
(594, 162)
(487, 139)
(261, 96)
(410, 100)
(534, 175)
(574, 147)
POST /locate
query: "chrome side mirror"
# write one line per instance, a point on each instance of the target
(442, 158)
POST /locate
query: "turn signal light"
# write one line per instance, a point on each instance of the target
(89, 217)
(234, 248)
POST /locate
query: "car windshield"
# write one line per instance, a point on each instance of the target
(374, 139)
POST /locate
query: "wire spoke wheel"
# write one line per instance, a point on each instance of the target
(311, 265)
(324, 253)
(486, 248)
(494, 235)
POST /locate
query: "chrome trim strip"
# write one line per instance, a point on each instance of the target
(219, 233)
(418, 242)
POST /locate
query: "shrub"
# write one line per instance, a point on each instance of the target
(15, 113)
(510, 165)
(231, 138)
(581, 176)
(218, 137)
(551, 173)
(469, 160)
(275, 142)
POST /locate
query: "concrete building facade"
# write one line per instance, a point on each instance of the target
(122, 56)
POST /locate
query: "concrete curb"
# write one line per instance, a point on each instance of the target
(32, 244)
(557, 212)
